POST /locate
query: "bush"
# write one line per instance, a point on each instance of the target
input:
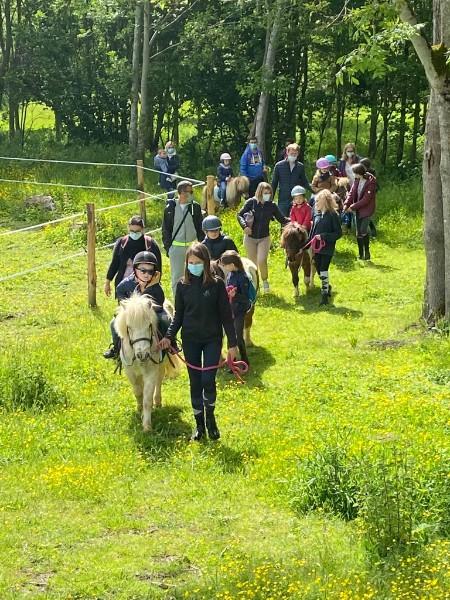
(26, 387)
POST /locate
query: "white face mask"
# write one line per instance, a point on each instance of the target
(135, 235)
(350, 154)
(267, 197)
(292, 158)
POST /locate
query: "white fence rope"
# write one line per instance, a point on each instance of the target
(61, 260)
(97, 164)
(76, 215)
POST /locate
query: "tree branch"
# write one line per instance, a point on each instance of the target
(421, 45)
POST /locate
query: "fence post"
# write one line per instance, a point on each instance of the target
(92, 273)
(210, 202)
(141, 187)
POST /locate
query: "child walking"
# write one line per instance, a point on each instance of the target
(237, 287)
(224, 174)
(301, 212)
(326, 227)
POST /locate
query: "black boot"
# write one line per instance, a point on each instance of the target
(112, 352)
(366, 241)
(324, 299)
(211, 425)
(329, 290)
(200, 429)
(360, 248)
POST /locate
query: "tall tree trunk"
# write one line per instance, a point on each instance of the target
(134, 108)
(176, 118)
(302, 120)
(415, 133)
(145, 97)
(385, 115)
(268, 67)
(358, 109)
(402, 123)
(373, 121)
(159, 122)
(340, 110)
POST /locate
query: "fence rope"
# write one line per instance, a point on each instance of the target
(79, 214)
(62, 259)
(98, 164)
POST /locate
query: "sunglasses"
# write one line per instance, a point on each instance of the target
(145, 271)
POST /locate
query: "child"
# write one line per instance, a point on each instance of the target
(322, 180)
(326, 227)
(301, 212)
(216, 242)
(366, 162)
(237, 283)
(333, 164)
(224, 174)
(161, 164)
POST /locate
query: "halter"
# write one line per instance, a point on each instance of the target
(145, 339)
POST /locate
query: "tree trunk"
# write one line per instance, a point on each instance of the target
(267, 77)
(402, 123)
(176, 119)
(134, 109)
(434, 300)
(373, 121)
(415, 133)
(145, 112)
(302, 121)
(386, 115)
(340, 109)
(159, 122)
(358, 108)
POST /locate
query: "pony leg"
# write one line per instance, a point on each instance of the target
(248, 321)
(294, 267)
(312, 270)
(136, 382)
(306, 265)
(149, 391)
(158, 385)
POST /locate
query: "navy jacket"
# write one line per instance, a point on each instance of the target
(218, 246)
(240, 304)
(202, 312)
(130, 284)
(263, 213)
(223, 172)
(286, 179)
(328, 225)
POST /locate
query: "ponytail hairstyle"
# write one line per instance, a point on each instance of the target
(231, 257)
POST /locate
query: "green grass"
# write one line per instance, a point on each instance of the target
(91, 508)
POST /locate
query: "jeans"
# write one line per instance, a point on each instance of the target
(362, 226)
(223, 192)
(114, 335)
(285, 207)
(202, 383)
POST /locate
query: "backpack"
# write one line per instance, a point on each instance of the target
(252, 292)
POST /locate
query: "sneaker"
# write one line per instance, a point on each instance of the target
(266, 287)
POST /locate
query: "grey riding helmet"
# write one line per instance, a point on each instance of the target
(211, 223)
(145, 257)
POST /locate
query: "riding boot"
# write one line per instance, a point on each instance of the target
(211, 425)
(366, 241)
(200, 429)
(360, 247)
(113, 350)
(324, 299)
(243, 353)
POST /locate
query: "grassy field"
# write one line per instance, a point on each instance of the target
(331, 477)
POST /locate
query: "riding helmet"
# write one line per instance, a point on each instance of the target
(298, 190)
(225, 156)
(322, 163)
(331, 159)
(211, 223)
(145, 257)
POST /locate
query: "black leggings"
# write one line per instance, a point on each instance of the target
(202, 383)
(322, 262)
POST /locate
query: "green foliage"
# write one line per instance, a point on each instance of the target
(25, 386)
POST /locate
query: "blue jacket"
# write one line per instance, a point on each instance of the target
(223, 172)
(240, 304)
(248, 166)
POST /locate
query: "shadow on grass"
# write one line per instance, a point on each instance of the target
(310, 304)
(345, 260)
(169, 430)
(273, 301)
(226, 458)
(260, 359)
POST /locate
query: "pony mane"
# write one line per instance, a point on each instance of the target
(293, 232)
(136, 312)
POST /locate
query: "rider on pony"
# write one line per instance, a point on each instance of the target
(144, 280)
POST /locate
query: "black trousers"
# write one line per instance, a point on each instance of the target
(253, 185)
(322, 261)
(202, 383)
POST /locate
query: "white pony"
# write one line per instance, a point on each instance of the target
(144, 364)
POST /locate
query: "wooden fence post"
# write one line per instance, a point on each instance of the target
(210, 202)
(92, 272)
(141, 187)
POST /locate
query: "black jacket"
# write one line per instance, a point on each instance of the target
(168, 219)
(263, 213)
(287, 179)
(329, 227)
(125, 248)
(202, 311)
(130, 284)
(218, 246)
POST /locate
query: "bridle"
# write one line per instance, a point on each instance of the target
(145, 339)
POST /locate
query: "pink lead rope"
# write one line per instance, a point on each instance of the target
(238, 367)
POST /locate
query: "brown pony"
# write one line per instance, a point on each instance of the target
(294, 237)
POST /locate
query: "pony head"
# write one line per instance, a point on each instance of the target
(137, 326)
(293, 238)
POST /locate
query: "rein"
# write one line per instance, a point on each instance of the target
(146, 339)
(238, 367)
(316, 246)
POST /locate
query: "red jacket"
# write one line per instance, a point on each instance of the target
(365, 204)
(302, 215)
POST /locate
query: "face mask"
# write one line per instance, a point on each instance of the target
(252, 146)
(350, 154)
(171, 151)
(267, 197)
(196, 269)
(292, 158)
(135, 235)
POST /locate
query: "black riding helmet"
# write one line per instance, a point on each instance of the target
(145, 257)
(211, 223)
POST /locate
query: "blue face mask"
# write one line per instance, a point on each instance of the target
(135, 235)
(196, 269)
(253, 146)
